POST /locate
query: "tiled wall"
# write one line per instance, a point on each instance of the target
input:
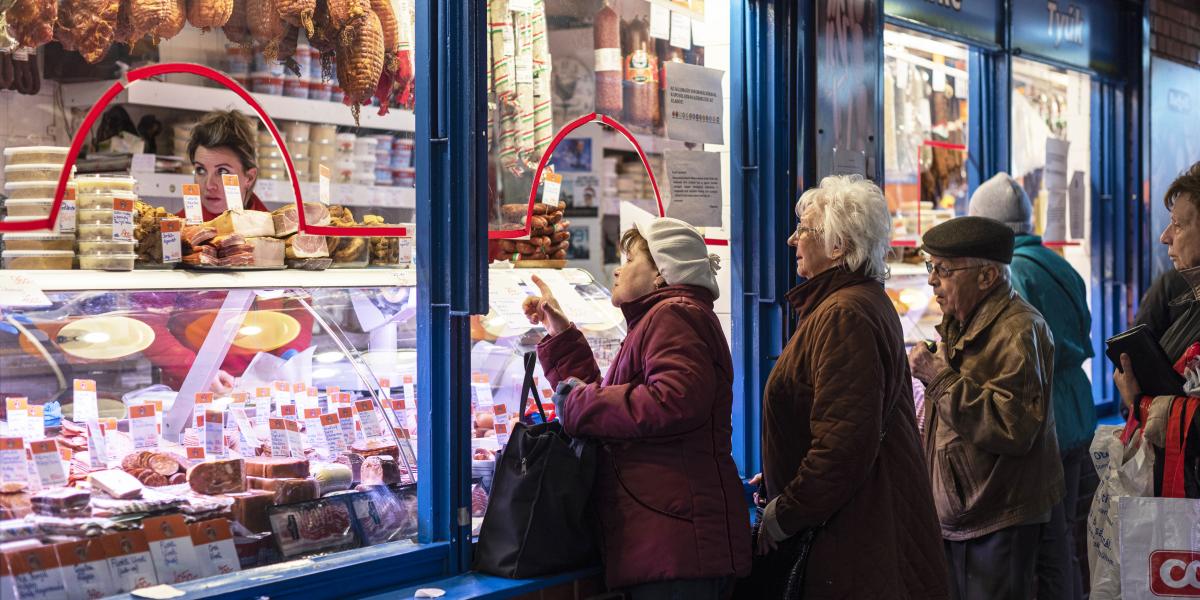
(1175, 30)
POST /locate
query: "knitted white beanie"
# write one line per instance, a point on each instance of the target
(680, 253)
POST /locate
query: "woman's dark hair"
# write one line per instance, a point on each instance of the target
(632, 240)
(226, 129)
(1188, 183)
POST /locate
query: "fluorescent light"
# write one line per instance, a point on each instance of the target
(96, 337)
(250, 330)
(324, 373)
(328, 357)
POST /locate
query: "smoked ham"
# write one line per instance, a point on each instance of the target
(303, 245)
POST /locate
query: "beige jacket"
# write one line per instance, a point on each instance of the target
(989, 437)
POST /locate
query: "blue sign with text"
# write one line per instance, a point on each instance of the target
(1082, 33)
(973, 19)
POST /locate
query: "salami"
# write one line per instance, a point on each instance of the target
(217, 477)
(164, 464)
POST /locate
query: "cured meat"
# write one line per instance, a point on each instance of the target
(250, 509)
(32, 21)
(250, 223)
(266, 27)
(91, 24)
(228, 250)
(15, 506)
(237, 29)
(303, 245)
(217, 477)
(244, 259)
(62, 502)
(367, 448)
(277, 467)
(325, 521)
(360, 60)
(195, 235)
(287, 222)
(380, 470)
(344, 12)
(354, 463)
(163, 19)
(116, 484)
(290, 490)
(177, 479)
(298, 13)
(228, 241)
(201, 258)
(266, 252)
(164, 464)
(206, 14)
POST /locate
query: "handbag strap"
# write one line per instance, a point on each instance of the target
(527, 386)
(1179, 424)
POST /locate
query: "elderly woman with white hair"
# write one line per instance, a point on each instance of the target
(843, 470)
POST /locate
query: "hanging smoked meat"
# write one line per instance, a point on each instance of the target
(298, 13)
(385, 88)
(32, 21)
(266, 27)
(163, 19)
(324, 38)
(606, 37)
(207, 14)
(236, 28)
(344, 12)
(360, 60)
(91, 25)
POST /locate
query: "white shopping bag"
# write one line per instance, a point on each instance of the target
(1160, 548)
(1125, 471)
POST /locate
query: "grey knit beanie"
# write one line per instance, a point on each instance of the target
(1002, 198)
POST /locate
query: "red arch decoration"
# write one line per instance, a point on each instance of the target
(147, 72)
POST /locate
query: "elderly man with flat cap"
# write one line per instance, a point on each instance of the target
(989, 434)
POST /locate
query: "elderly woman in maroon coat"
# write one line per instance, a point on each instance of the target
(673, 519)
(842, 380)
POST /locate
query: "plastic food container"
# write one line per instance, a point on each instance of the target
(344, 171)
(33, 207)
(30, 189)
(95, 216)
(242, 79)
(365, 145)
(297, 132)
(402, 154)
(45, 155)
(53, 242)
(303, 58)
(107, 262)
(405, 177)
(262, 82)
(272, 67)
(100, 200)
(96, 232)
(323, 134)
(272, 174)
(11, 219)
(337, 95)
(383, 177)
(271, 164)
(345, 142)
(295, 87)
(106, 247)
(350, 252)
(37, 259)
(320, 90)
(98, 184)
(33, 172)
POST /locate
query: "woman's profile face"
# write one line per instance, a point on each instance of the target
(210, 164)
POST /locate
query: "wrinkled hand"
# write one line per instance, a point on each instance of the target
(223, 383)
(926, 365)
(756, 481)
(1127, 383)
(545, 309)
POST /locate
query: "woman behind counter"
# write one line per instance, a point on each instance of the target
(672, 517)
(222, 143)
(841, 380)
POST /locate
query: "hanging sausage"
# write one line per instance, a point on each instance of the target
(641, 76)
(606, 36)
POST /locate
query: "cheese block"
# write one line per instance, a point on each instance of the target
(267, 251)
(380, 470)
(332, 477)
(116, 484)
(277, 467)
(250, 509)
(217, 477)
(250, 223)
(303, 245)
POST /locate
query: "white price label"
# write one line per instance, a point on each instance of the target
(262, 405)
(18, 416)
(122, 219)
(323, 178)
(409, 383)
(35, 425)
(312, 428)
(214, 547)
(335, 438)
(279, 438)
(233, 193)
(66, 213)
(171, 549)
(481, 389)
(346, 423)
(172, 243)
(214, 433)
(551, 188)
(13, 467)
(48, 463)
(369, 418)
(192, 212)
(681, 30)
(97, 446)
(194, 455)
(524, 65)
(521, 6)
(405, 251)
(295, 440)
(281, 394)
(85, 401)
(142, 426)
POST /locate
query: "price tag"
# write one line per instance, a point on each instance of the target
(298, 389)
(18, 416)
(214, 433)
(310, 399)
(246, 429)
(85, 401)
(385, 387)
(233, 193)
(195, 454)
(13, 467)
(681, 30)
(481, 391)
(331, 394)
(129, 560)
(192, 212)
(279, 438)
(85, 569)
(405, 248)
(335, 438)
(312, 427)
(35, 574)
(262, 405)
(281, 393)
(172, 243)
(203, 401)
(369, 419)
(214, 547)
(288, 411)
(142, 426)
(171, 549)
(524, 64)
(35, 425)
(551, 188)
(122, 219)
(295, 441)
(48, 463)
(239, 397)
(500, 423)
(66, 212)
(410, 390)
(97, 446)
(323, 178)
(346, 422)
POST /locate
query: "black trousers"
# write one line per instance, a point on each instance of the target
(999, 566)
(1059, 572)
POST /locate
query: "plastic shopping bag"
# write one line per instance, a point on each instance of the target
(1125, 471)
(1160, 548)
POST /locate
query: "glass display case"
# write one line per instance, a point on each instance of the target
(260, 417)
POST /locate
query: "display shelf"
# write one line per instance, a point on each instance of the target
(901, 269)
(177, 279)
(182, 96)
(170, 185)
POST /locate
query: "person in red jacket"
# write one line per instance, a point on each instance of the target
(673, 518)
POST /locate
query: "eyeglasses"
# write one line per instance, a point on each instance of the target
(942, 272)
(813, 231)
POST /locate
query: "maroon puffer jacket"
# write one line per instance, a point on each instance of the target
(667, 492)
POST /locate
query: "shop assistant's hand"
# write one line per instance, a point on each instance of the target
(223, 383)
(926, 365)
(1127, 383)
(545, 309)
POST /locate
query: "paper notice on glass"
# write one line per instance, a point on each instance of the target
(660, 21)
(849, 162)
(1055, 175)
(1077, 205)
(694, 105)
(694, 181)
(681, 30)
(18, 290)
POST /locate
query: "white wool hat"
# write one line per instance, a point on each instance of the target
(680, 253)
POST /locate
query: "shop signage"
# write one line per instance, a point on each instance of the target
(975, 19)
(1076, 32)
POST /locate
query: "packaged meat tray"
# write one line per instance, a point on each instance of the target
(33, 172)
(324, 525)
(37, 259)
(25, 155)
(39, 241)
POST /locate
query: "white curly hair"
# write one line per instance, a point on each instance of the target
(853, 216)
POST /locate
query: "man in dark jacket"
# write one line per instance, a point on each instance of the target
(1050, 284)
(989, 434)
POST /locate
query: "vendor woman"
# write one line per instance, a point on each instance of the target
(223, 143)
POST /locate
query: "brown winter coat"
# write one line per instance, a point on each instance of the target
(989, 420)
(824, 405)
